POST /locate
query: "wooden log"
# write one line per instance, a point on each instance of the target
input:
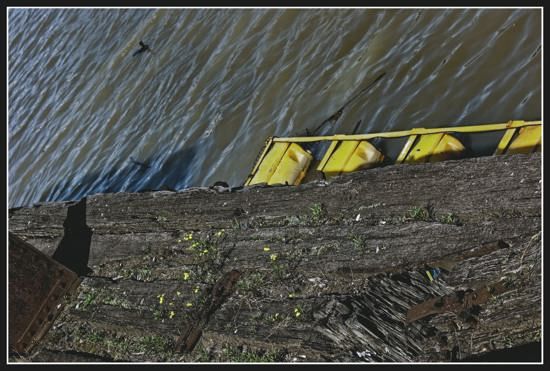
(327, 271)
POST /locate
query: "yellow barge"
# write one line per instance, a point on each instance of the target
(294, 160)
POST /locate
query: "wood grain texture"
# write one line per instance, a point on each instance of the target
(327, 270)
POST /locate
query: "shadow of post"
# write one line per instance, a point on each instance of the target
(74, 249)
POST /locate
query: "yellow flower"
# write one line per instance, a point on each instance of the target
(297, 312)
(273, 257)
(178, 293)
(172, 314)
(161, 298)
(196, 289)
(291, 295)
(189, 305)
(266, 248)
(186, 276)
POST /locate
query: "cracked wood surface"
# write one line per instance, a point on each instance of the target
(328, 271)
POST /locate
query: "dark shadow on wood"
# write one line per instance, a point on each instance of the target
(74, 249)
(524, 353)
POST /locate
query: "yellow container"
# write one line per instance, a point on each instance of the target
(448, 148)
(527, 141)
(433, 148)
(350, 155)
(338, 158)
(269, 163)
(365, 156)
(284, 163)
(293, 166)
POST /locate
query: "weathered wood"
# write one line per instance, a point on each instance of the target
(327, 271)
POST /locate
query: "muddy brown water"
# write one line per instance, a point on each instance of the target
(86, 116)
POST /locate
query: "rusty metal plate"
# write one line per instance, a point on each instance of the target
(37, 286)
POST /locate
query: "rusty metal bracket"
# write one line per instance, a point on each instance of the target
(457, 302)
(37, 286)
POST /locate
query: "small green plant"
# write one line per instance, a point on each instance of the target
(418, 213)
(450, 218)
(207, 248)
(323, 249)
(96, 337)
(202, 354)
(154, 344)
(88, 299)
(293, 220)
(359, 242)
(141, 274)
(251, 283)
(160, 314)
(317, 212)
(117, 301)
(161, 218)
(120, 346)
(279, 271)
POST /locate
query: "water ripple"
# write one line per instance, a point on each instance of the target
(221, 80)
